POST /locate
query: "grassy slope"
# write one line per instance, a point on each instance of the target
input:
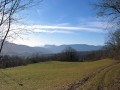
(107, 79)
(112, 79)
(48, 75)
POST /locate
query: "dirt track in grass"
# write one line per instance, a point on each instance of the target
(79, 85)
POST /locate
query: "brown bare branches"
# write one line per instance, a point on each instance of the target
(8, 10)
(109, 9)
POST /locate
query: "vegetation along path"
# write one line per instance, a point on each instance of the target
(106, 78)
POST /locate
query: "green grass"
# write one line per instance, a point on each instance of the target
(47, 75)
(112, 79)
(107, 79)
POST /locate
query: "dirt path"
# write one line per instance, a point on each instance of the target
(101, 84)
(79, 84)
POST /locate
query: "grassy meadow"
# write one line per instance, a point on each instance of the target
(56, 75)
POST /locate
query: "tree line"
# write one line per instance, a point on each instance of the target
(68, 55)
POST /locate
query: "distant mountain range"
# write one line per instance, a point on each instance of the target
(23, 50)
(78, 47)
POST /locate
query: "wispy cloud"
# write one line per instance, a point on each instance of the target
(97, 24)
(94, 23)
(57, 28)
(51, 31)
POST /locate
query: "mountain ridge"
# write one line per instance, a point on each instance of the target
(77, 47)
(24, 50)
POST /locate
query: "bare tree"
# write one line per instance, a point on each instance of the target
(109, 9)
(69, 54)
(8, 11)
(113, 44)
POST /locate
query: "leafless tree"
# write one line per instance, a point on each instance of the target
(113, 44)
(109, 9)
(69, 54)
(8, 12)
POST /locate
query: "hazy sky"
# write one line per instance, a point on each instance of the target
(63, 22)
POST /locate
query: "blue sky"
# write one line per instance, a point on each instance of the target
(62, 22)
